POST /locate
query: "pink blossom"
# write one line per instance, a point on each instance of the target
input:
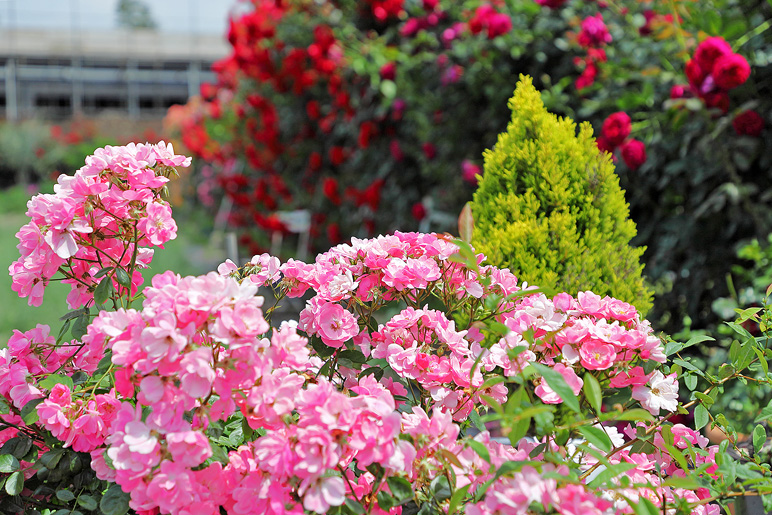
(336, 325)
(158, 226)
(597, 355)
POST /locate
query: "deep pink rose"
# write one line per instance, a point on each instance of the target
(678, 91)
(633, 153)
(616, 128)
(730, 70)
(594, 32)
(498, 24)
(709, 51)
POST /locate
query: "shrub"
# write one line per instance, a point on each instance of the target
(549, 207)
(379, 129)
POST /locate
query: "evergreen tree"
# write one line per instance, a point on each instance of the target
(549, 207)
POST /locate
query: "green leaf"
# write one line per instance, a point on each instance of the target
(674, 347)
(759, 437)
(50, 459)
(593, 391)
(597, 437)
(556, 381)
(18, 447)
(65, 495)
(103, 290)
(645, 507)
(690, 380)
(115, 501)
(8, 463)
(15, 483)
(400, 488)
(456, 498)
(610, 472)
(123, 278)
(73, 314)
(29, 413)
(80, 326)
(354, 356)
(707, 400)
(385, 501)
(701, 417)
(102, 272)
(688, 483)
(49, 382)
(476, 420)
(87, 502)
(480, 449)
(765, 413)
(440, 488)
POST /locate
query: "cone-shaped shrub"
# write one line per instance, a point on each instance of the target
(549, 207)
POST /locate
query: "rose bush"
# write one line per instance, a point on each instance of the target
(373, 117)
(375, 401)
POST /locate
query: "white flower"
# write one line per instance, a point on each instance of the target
(662, 393)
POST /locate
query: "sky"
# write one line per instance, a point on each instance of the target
(188, 16)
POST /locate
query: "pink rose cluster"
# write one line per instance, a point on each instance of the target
(339, 407)
(593, 36)
(82, 227)
(615, 134)
(449, 362)
(81, 423)
(713, 71)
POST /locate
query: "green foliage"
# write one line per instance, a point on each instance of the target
(549, 207)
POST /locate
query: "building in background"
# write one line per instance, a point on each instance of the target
(62, 59)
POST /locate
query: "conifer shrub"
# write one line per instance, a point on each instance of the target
(549, 207)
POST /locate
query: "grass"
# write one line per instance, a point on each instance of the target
(189, 254)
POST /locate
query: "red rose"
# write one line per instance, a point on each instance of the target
(418, 211)
(748, 123)
(337, 155)
(430, 151)
(330, 190)
(730, 70)
(633, 153)
(709, 51)
(616, 128)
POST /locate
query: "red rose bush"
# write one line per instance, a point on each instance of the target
(377, 400)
